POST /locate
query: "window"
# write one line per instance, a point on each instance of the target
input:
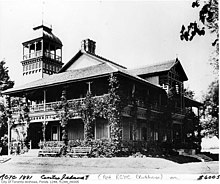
(54, 133)
(102, 129)
(156, 136)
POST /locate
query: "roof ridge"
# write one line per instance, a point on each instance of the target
(151, 65)
(100, 57)
(113, 67)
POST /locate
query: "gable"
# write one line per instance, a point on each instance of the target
(171, 66)
(177, 70)
(82, 62)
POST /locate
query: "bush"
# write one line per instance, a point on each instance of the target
(4, 145)
(99, 148)
(51, 144)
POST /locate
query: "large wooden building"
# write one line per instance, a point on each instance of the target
(159, 93)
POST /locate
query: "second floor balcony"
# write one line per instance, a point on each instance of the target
(48, 109)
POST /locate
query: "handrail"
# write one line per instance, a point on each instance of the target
(52, 56)
(40, 53)
(33, 55)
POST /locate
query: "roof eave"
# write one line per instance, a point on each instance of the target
(51, 85)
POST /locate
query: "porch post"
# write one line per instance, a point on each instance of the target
(134, 103)
(44, 130)
(44, 123)
(8, 110)
(9, 137)
(89, 86)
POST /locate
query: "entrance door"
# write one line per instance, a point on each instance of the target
(35, 134)
(55, 133)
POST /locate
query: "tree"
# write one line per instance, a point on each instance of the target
(208, 19)
(5, 83)
(189, 93)
(63, 112)
(210, 119)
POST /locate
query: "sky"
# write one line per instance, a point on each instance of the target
(130, 33)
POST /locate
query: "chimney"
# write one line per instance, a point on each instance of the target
(88, 46)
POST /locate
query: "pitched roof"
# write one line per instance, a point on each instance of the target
(65, 77)
(77, 75)
(94, 56)
(191, 102)
(42, 31)
(158, 68)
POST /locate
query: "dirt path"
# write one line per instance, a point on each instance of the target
(31, 165)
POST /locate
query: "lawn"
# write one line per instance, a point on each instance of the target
(31, 165)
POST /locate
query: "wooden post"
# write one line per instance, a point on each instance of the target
(8, 106)
(9, 137)
(44, 123)
(89, 86)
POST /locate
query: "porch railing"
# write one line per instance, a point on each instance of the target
(50, 105)
(52, 56)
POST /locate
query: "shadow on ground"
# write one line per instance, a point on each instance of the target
(213, 156)
(180, 159)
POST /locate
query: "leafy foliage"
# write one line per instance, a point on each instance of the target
(3, 120)
(88, 116)
(100, 148)
(5, 82)
(63, 112)
(189, 93)
(114, 110)
(90, 108)
(208, 18)
(210, 119)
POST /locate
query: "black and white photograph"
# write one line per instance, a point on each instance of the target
(109, 90)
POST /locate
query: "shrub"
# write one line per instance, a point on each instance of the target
(4, 145)
(99, 148)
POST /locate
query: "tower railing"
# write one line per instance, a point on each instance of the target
(40, 53)
(33, 55)
(52, 56)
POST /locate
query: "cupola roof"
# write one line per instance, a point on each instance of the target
(44, 32)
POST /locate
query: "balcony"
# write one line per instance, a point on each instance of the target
(33, 55)
(52, 56)
(40, 53)
(48, 107)
(47, 111)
